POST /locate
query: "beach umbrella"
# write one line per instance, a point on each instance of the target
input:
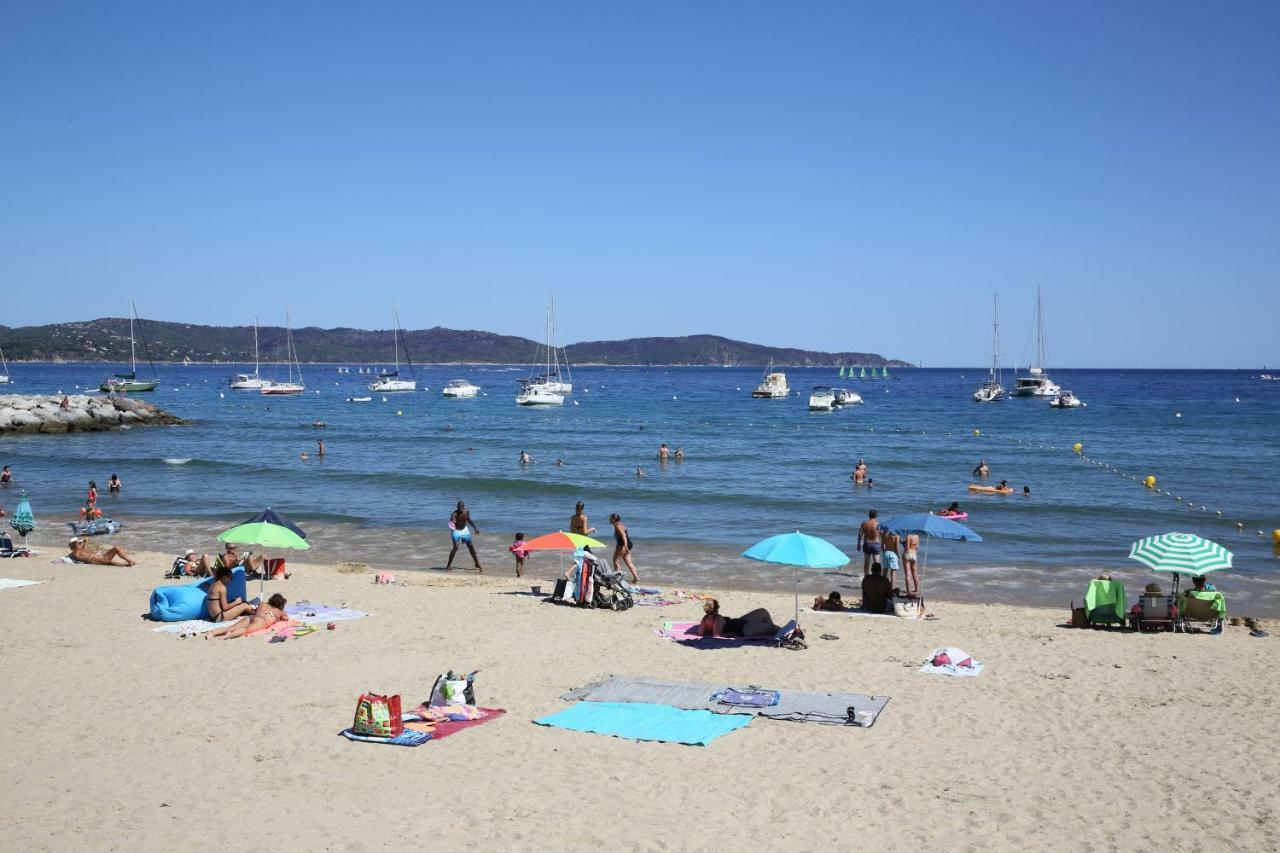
(797, 550)
(23, 520)
(1179, 554)
(270, 516)
(930, 526)
(561, 541)
(265, 534)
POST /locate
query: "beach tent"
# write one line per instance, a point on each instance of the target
(930, 526)
(797, 550)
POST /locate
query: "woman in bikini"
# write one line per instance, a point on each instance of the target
(910, 548)
(217, 607)
(263, 617)
(757, 623)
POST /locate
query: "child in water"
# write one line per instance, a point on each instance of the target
(518, 548)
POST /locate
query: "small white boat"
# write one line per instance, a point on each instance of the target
(538, 394)
(845, 397)
(822, 399)
(460, 388)
(250, 381)
(359, 399)
(992, 390)
(389, 380)
(773, 386)
(1067, 400)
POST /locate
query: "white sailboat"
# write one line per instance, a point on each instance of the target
(389, 380)
(4, 365)
(544, 389)
(991, 390)
(1038, 384)
(129, 383)
(291, 360)
(558, 378)
(250, 381)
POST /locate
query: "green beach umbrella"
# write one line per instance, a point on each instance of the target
(1180, 553)
(264, 535)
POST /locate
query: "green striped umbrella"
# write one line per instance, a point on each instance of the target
(1181, 553)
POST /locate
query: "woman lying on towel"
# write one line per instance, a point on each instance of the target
(263, 617)
(82, 553)
(830, 602)
(757, 623)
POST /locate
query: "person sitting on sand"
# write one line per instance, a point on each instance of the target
(82, 553)
(830, 602)
(263, 616)
(188, 565)
(217, 607)
(982, 470)
(230, 558)
(757, 623)
(877, 591)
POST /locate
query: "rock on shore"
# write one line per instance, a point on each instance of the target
(19, 414)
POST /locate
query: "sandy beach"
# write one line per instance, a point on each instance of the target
(123, 737)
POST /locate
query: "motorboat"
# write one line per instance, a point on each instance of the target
(250, 381)
(390, 380)
(845, 397)
(359, 399)
(538, 394)
(289, 386)
(773, 386)
(823, 399)
(129, 383)
(1067, 400)
(1037, 383)
(992, 390)
(460, 388)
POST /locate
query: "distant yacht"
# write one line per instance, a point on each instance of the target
(1038, 384)
(773, 386)
(390, 380)
(250, 381)
(546, 388)
(460, 388)
(557, 378)
(129, 383)
(991, 390)
(291, 360)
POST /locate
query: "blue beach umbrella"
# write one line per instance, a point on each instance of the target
(797, 550)
(931, 526)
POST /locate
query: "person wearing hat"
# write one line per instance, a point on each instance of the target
(80, 552)
(188, 564)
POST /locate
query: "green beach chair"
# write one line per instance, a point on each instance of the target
(1105, 603)
(1202, 608)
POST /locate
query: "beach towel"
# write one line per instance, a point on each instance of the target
(749, 698)
(1108, 594)
(441, 728)
(956, 663)
(794, 705)
(14, 583)
(405, 738)
(312, 613)
(653, 602)
(190, 626)
(688, 634)
(1214, 598)
(639, 721)
(866, 613)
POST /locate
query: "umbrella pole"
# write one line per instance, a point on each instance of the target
(795, 585)
(923, 566)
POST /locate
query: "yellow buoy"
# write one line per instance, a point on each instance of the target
(1275, 536)
(977, 432)
(1150, 482)
(399, 413)
(1077, 447)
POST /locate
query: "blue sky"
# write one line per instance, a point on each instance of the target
(835, 176)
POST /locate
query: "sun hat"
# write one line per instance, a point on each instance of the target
(1153, 588)
(189, 553)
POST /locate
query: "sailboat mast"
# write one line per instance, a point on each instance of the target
(1039, 331)
(255, 347)
(551, 339)
(995, 338)
(133, 358)
(395, 335)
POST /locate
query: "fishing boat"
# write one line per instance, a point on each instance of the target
(129, 383)
(389, 380)
(4, 369)
(1037, 383)
(822, 399)
(845, 397)
(460, 388)
(289, 386)
(773, 386)
(250, 381)
(991, 390)
(1067, 400)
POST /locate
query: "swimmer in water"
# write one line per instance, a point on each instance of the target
(954, 509)
(663, 452)
(1004, 486)
(639, 472)
(982, 470)
(320, 447)
(1026, 491)
(525, 458)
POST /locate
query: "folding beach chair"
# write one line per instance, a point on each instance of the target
(1154, 612)
(1203, 609)
(1104, 603)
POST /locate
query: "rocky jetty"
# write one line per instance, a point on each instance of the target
(19, 414)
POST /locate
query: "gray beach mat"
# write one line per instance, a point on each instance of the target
(827, 708)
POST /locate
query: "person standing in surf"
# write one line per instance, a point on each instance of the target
(460, 527)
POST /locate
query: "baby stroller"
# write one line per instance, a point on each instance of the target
(610, 593)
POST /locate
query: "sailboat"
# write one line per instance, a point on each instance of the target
(842, 371)
(4, 365)
(250, 381)
(129, 383)
(390, 380)
(991, 390)
(884, 372)
(291, 359)
(862, 372)
(543, 389)
(1038, 384)
(557, 381)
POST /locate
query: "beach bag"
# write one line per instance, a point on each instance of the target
(451, 689)
(378, 716)
(273, 568)
(1079, 618)
(906, 608)
(558, 593)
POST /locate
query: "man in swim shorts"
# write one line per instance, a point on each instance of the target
(461, 526)
(869, 541)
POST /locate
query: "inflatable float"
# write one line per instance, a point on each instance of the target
(990, 490)
(954, 516)
(96, 527)
(180, 603)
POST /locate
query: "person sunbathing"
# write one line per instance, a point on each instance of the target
(216, 606)
(82, 553)
(831, 602)
(757, 623)
(263, 617)
(230, 558)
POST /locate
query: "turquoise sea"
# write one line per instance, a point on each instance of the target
(753, 467)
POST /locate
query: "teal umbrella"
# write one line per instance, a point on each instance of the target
(23, 521)
(797, 550)
(1179, 554)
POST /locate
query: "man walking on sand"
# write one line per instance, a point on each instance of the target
(460, 527)
(869, 541)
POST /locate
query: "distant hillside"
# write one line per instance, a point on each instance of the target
(107, 339)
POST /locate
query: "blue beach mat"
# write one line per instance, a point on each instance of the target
(642, 721)
(405, 738)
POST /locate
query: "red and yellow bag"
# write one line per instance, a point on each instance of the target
(378, 716)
